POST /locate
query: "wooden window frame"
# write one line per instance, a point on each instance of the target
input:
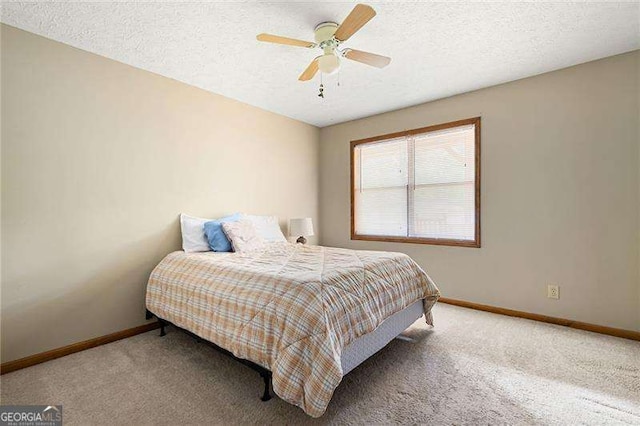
(419, 240)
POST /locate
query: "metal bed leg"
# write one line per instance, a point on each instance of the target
(163, 324)
(148, 315)
(267, 379)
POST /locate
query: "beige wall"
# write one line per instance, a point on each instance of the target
(98, 160)
(560, 193)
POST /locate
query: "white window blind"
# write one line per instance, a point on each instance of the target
(420, 186)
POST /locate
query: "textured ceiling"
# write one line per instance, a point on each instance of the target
(438, 49)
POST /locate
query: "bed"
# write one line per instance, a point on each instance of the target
(303, 315)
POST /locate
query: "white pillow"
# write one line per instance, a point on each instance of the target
(243, 236)
(193, 238)
(267, 227)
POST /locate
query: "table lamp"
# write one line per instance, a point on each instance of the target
(301, 228)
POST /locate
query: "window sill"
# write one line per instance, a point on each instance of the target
(431, 241)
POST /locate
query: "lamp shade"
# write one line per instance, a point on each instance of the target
(329, 63)
(301, 227)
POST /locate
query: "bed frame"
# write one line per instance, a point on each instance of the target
(353, 354)
(264, 373)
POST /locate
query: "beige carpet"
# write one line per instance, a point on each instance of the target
(473, 368)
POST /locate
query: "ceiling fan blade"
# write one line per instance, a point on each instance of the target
(311, 70)
(372, 59)
(270, 38)
(360, 15)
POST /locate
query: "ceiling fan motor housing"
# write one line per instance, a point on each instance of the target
(325, 31)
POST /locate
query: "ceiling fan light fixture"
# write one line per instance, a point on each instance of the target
(329, 64)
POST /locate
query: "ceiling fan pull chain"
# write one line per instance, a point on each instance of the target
(321, 94)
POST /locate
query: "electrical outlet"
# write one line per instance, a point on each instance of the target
(553, 291)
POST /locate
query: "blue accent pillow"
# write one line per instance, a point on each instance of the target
(218, 241)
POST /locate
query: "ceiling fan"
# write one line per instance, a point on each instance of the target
(329, 36)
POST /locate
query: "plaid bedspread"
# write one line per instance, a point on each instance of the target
(291, 308)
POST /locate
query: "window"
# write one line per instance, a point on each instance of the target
(418, 186)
